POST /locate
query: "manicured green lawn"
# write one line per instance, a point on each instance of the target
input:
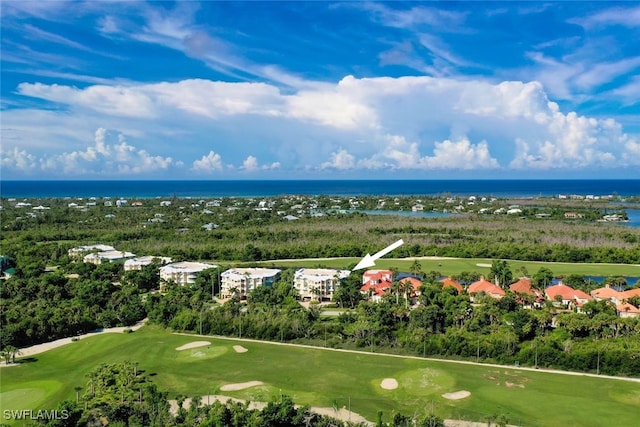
(452, 266)
(325, 378)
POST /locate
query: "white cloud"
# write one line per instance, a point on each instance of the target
(18, 159)
(210, 163)
(250, 164)
(398, 123)
(624, 16)
(341, 160)
(97, 159)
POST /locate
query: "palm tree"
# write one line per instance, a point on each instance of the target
(415, 268)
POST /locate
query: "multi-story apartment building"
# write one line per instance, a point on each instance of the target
(242, 281)
(183, 273)
(318, 283)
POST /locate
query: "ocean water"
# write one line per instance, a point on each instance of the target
(266, 188)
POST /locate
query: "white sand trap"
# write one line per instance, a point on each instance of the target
(240, 349)
(481, 264)
(194, 344)
(457, 395)
(240, 386)
(389, 384)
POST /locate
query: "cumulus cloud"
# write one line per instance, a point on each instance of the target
(100, 158)
(19, 160)
(210, 163)
(399, 123)
(250, 164)
(341, 160)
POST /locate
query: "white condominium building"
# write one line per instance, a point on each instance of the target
(244, 280)
(76, 252)
(107, 256)
(138, 263)
(318, 283)
(183, 273)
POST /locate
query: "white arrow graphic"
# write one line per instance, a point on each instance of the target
(370, 260)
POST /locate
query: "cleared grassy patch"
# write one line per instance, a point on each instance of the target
(328, 378)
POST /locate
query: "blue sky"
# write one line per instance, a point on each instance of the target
(273, 90)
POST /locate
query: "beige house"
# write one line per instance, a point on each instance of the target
(318, 283)
(183, 273)
(242, 281)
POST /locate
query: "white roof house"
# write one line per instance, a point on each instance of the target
(74, 252)
(245, 280)
(183, 273)
(107, 256)
(318, 283)
(138, 263)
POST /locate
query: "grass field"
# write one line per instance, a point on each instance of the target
(453, 266)
(325, 378)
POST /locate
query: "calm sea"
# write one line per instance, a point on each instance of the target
(265, 188)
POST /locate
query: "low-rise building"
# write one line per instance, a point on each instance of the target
(318, 283)
(376, 283)
(107, 256)
(80, 250)
(138, 263)
(567, 296)
(242, 281)
(486, 287)
(183, 273)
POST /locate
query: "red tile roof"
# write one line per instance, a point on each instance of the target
(416, 283)
(450, 282)
(487, 287)
(607, 293)
(631, 293)
(627, 308)
(522, 286)
(566, 293)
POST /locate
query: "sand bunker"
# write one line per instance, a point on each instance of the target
(194, 344)
(480, 264)
(240, 349)
(457, 395)
(389, 384)
(240, 386)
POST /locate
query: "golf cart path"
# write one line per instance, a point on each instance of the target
(41, 348)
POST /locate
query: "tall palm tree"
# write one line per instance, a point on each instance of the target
(416, 268)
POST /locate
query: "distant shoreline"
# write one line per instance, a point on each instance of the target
(142, 189)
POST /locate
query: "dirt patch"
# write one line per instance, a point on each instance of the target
(240, 349)
(456, 395)
(482, 264)
(240, 386)
(194, 344)
(511, 385)
(389, 384)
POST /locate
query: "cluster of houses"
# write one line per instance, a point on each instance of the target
(378, 283)
(321, 283)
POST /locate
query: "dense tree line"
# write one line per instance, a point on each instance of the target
(38, 306)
